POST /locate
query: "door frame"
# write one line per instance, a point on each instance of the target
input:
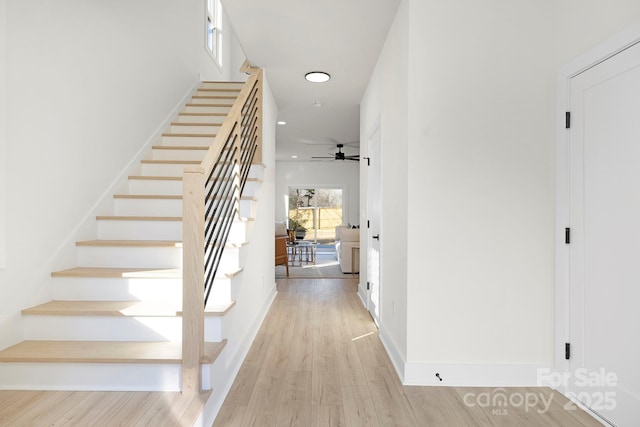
(375, 129)
(584, 62)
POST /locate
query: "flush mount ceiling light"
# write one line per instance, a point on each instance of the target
(317, 77)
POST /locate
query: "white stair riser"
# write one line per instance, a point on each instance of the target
(230, 259)
(222, 85)
(129, 257)
(213, 328)
(188, 141)
(221, 290)
(256, 171)
(247, 208)
(195, 129)
(204, 109)
(213, 92)
(90, 376)
(139, 230)
(148, 207)
(239, 231)
(216, 101)
(162, 169)
(102, 328)
(161, 154)
(116, 289)
(155, 187)
(186, 118)
(251, 189)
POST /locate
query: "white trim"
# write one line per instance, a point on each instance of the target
(399, 363)
(472, 375)
(361, 289)
(594, 56)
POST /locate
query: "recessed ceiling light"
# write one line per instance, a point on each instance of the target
(294, 157)
(317, 77)
(282, 123)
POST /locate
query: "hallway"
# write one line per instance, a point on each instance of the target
(318, 361)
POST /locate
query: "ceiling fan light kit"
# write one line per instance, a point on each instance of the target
(340, 155)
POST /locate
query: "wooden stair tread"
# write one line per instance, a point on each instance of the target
(191, 135)
(137, 218)
(167, 197)
(202, 114)
(104, 352)
(148, 196)
(146, 243)
(213, 96)
(115, 272)
(171, 162)
(221, 89)
(132, 243)
(232, 274)
(120, 309)
(179, 147)
(104, 308)
(194, 124)
(192, 104)
(156, 177)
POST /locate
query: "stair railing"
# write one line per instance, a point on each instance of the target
(211, 196)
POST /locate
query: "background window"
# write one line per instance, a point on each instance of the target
(214, 29)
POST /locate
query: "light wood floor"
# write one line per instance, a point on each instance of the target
(90, 408)
(318, 361)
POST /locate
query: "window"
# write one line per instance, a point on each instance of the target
(214, 30)
(315, 212)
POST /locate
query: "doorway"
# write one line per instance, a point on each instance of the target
(374, 217)
(602, 237)
(314, 212)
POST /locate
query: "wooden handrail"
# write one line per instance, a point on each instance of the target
(211, 194)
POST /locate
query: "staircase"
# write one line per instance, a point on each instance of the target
(116, 319)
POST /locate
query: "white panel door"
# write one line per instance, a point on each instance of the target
(604, 192)
(373, 232)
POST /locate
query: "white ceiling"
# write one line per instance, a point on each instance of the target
(288, 38)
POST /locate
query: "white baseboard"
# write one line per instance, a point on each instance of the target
(362, 297)
(397, 359)
(472, 375)
(460, 374)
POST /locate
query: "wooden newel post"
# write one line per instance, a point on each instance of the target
(193, 279)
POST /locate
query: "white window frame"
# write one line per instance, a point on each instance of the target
(213, 33)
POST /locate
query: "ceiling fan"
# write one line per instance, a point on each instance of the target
(341, 156)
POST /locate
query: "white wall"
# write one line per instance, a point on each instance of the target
(385, 103)
(480, 180)
(3, 133)
(88, 83)
(343, 175)
(580, 25)
(481, 159)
